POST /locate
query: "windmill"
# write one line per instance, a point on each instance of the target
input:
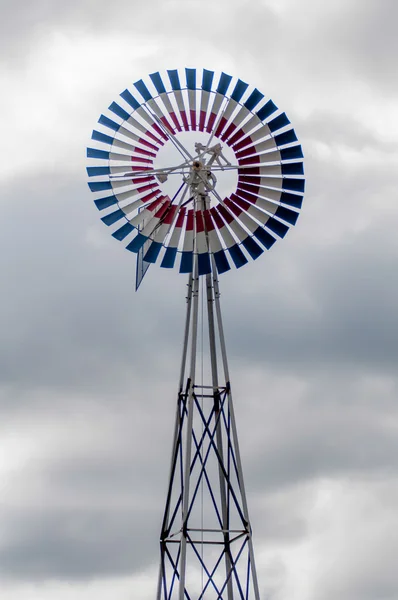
(202, 173)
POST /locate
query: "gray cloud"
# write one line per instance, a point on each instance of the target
(75, 543)
(343, 432)
(336, 132)
(365, 565)
(338, 41)
(365, 38)
(43, 16)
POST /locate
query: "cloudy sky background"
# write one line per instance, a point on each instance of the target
(88, 368)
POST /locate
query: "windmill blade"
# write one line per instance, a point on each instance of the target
(220, 94)
(207, 80)
(187, 248)
(231, 106)
(190, 75)
(171, 248)
(160, 88)
(204, 263)
(216, 248)
(158, 238)
(178, 96)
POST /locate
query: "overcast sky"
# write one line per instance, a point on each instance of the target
(89, 369)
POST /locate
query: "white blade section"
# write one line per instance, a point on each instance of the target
(177, 231)
(147, 213)
(275, 170)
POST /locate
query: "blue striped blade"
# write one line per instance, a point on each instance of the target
(252, 247)
(291, 199)
(288, 137)
(290, 216)
(113, 217)
(190, 75)
(186, 262)
(99, 186)
(223, 84)
(237, 256)
(119, 111)
(295, 185)
(152, 253)
(277, 227)
(239, 90)
(129, 98)
(103, 203)
(158, 83)
(96, 171)
(143, 90)
(254, 98)
(123, 232)
(292, 153)
(169, 258)
(264, 237)
(278, 122)
(98, 136)
(221, 260)
(94, 153)
(207, 80)
(174, 80)
(293, 169)
(137, 242)
(266, 110)
(103, 120)
(204, 265)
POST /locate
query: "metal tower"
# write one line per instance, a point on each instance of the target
(206, 543)
(206, 525)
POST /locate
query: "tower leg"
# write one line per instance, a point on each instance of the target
(233, 426)
(188, 444)
(216, 392)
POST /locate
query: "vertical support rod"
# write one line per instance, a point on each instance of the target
(233, 426)
(186, 333)
(219, 439)
(188, 444)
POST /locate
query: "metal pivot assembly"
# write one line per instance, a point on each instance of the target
(182, 215)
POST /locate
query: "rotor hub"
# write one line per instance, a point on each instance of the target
(197, 165)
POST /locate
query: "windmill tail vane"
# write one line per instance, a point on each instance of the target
(168, 201)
